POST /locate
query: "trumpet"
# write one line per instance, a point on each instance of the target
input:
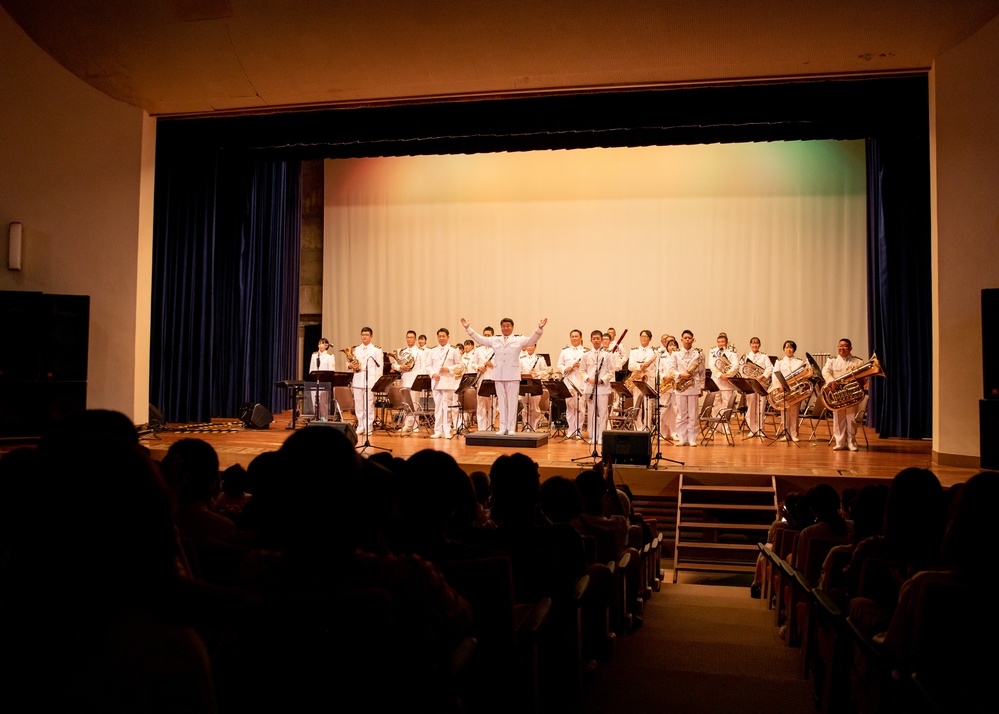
(352, 363)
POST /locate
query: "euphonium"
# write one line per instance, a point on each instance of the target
(799, 388)
(751, 370)
(848, 391)
(352, 364)
(406, 360)
(722, 364)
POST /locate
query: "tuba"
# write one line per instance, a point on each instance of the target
(352, 364)
(848, 391)
(799, 388)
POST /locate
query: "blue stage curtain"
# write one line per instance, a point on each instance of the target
(899, 296)
(224, 324)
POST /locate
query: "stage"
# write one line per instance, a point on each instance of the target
(795, 466)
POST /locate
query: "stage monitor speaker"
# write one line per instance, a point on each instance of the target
(156, 417)
(628, 447)
(345, 428)
(990, 342)
(255, 416)
(988, 434)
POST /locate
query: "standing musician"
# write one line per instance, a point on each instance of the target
(667, 398)
(367, 370)
(755, 404)
(506, 366)
(484, 416)
(844, 420)
(574, 378)
(441, 361)
(408, 372)
(786, 365)
(323, 359)
(468, 356)
(720, 375)
(532, 364)
(598, 366)
(641, 365)
(687, 367)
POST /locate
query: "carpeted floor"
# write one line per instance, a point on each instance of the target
(703, 648)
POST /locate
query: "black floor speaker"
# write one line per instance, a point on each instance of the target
(988, 428)
(628, 447)
(255, 416)
(343, 427)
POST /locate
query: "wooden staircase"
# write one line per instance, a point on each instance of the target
(719, 520)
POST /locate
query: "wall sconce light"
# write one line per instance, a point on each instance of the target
(14, 235)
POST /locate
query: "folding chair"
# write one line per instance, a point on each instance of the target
(424, 417)
(711, 424)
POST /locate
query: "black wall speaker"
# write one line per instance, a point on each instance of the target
(255, 416)
(628, 447)
(345, 428)
(990, 342)
(988, 426)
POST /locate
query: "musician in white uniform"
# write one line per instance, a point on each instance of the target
(441, 362)
(408, 373)
(786, 365)
(483, 363)
(688, 362)
(667, 398)
(506, 366)
(367, 371)
(323, 359)
(720, 376)
(532, 364)
(641, 364)
(755, 404)
(598, 366)
(573, 378)
(844, 420)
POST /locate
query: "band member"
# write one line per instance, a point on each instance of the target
(484, 416)
(532, 364)
(641, 365)
(755, 404)
(720, 375)
(786, 365)
(686, 363)
(441, 361)
(506, 366)
(367, 370)
(667, 398)
(468, 356)
(844, 420)
(408, 373)
(323, 360)
(573, 378)
(598, 366)
(422, 342)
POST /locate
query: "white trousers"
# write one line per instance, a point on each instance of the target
(365, 419)
(442, 411)
(596, 422)
(755, 408)
(845, 426)
(688, 425)
(506, 400)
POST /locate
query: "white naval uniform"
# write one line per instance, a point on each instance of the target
(756, 405)
(688, 424)
(636, 358)
(844, 420)
(484, 416)
(532, 366)
(506, 371)
(725, 387)
(786, 365)
(371, 358)
(323, 361)
(447, 358)
(667, 399)
(598, 367)
(576, 383)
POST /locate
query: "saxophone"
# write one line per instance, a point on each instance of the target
(683, 384)
(799, 388)
(352, 363)
(848, 391)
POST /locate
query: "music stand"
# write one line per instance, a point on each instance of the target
(783, 412)
(488, 389)
(557, 390)
(367, 437)
(529, 387)
(323, 383)
(382, 385)
(466, 383)
(649, 394)
(747, 385)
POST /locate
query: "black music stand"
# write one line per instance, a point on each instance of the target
(747, 385)
(466, 383)
(382, 385)
(421, 384)
(529, 387)
(783, 412)
(323, 383)
(623, 394)
(487, 388)
(340, 379)
(649, 393)
(577, 395)
(557, 391)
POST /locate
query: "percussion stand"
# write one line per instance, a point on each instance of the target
(783, 413)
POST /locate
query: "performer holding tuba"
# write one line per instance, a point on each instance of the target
(756, 365)
(723, 363)
(844, 420)
(687, 367)
(569, 360)
(641, 363)
(796, 371)
(409, 365)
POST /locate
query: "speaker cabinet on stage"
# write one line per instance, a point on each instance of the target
(990, 342)
(988, 434)
(255, 416)
(628, 447)
(343, 427)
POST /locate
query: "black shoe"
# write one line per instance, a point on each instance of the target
(755, 591)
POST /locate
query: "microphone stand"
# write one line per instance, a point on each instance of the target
(367, 440)
(593, 436)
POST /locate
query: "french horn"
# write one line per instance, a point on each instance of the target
(352, 363)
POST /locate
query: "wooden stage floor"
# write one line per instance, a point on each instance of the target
(796, 467)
